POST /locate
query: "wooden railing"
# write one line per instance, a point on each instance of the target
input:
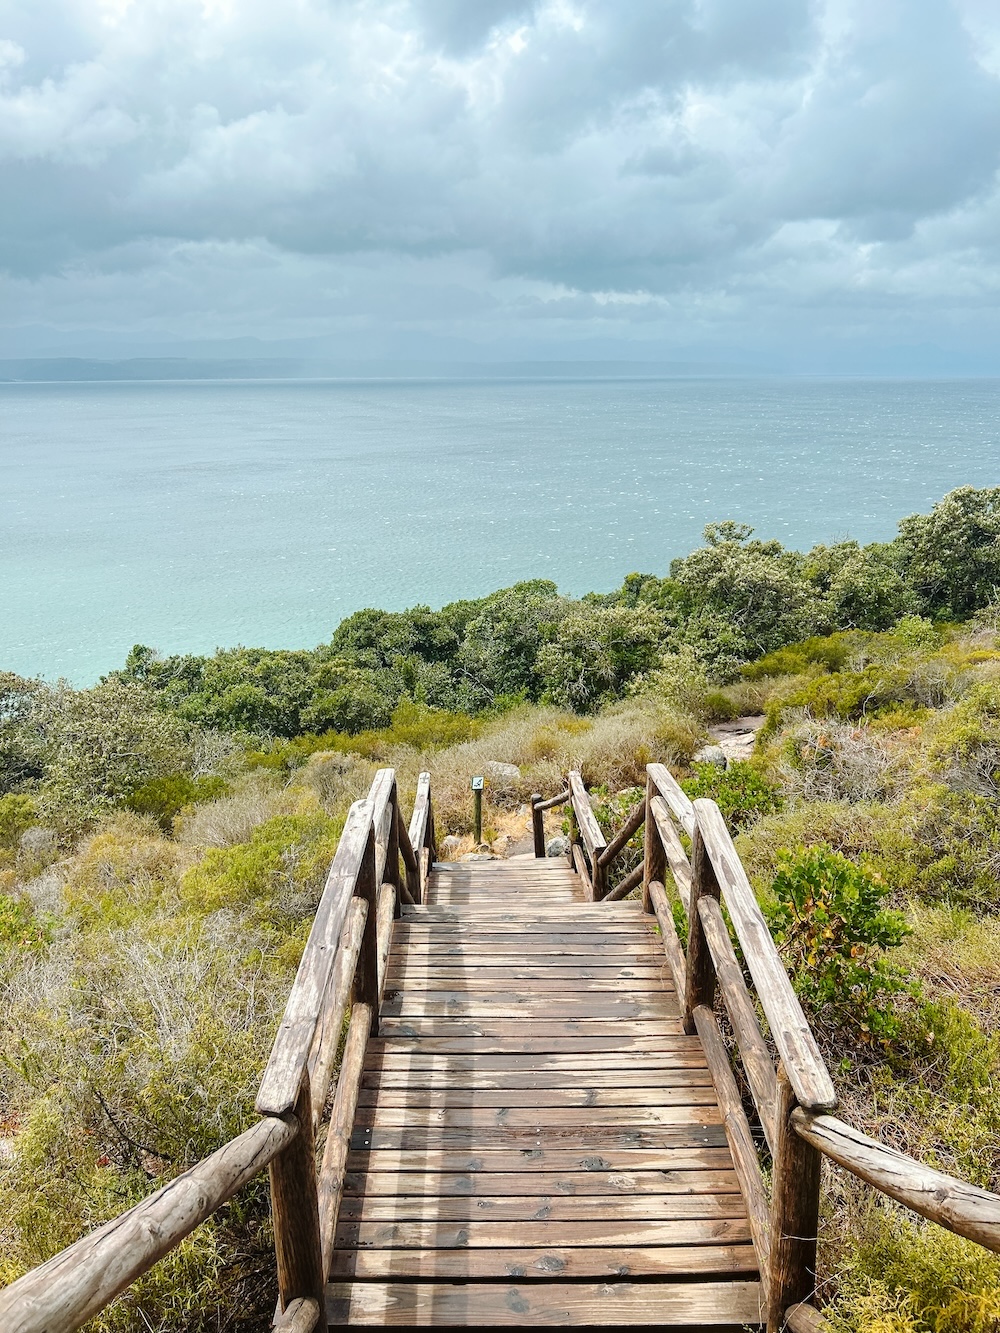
(785, 1073)
(340, 977)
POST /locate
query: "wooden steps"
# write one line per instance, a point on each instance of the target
(536, 1141)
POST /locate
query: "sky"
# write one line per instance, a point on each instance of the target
(780, 184)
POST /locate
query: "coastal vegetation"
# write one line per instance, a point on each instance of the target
(164, 837)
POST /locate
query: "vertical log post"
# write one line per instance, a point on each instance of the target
(390, 875)
(574, 835)
(538, 824)
(794, 1213)
(295, 1209)
(366, 974)
(654, 861)
(700, 967)
(599, 874)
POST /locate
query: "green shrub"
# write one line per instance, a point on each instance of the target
(829, 920)
(277, 875)
(739, 790)
(163, 798)
(21, 928)
(904, 1276)
(17, 814)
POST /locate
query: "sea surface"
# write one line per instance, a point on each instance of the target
(191, 515)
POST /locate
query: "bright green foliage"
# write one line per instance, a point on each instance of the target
(165, 797)
(739, 790)
(595, 653)
(966, 744)
(830, 922)
(17, 813)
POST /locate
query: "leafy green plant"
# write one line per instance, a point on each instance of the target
(17, 814)
(163, 798)
(830, 922)
(739, 790)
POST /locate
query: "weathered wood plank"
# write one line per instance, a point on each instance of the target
(590, 830)
(673, 849)
(551, 1208)
(689, 1093)
(698, 1107)
(467, 1305)
(483, 1233)
(669, 788)
(627, 831)
(752, 1047)
(741, 1144)
(581, 1083)
(590, 1140)
(294, 1208)
(525, 1162)
(338, 1139)
(671, 942)
(492, 1184)
(545, 1264)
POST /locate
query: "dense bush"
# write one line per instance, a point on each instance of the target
(739, 790)
(832, 926)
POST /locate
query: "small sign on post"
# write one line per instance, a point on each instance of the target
(477, 796)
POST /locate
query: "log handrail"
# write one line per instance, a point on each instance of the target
(794, 1100)
(343, 966)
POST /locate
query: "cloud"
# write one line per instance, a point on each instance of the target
(651, 168)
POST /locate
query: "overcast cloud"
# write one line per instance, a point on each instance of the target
(808, 183)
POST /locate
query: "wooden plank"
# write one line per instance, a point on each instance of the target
(486, 1233)
(738, 1135)
(590, 831)
(752, 1047)
(430, 975)
(331, 1175)
(589, 1006)
(700, 967)
(329, 1028)
(522, 1163)
(582, 869)
(591, 1140)
(554, 1043)
(668, 787)
(580, 1082)
(698, 1108)
(673, 849)
(468, 1305)
(544, 1264)
(691, 1092)
(790, 1030)
(537, 984)
(676, 1050)
(551, 1208)
(492, 1184)
(671, 943)
(523, 1029)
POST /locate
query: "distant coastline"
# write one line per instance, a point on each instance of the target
(72, 369)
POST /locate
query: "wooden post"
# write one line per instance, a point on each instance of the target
(295, 1210)
(654, 862)
(390, 875)
(794, 1213)
(600, 877)
(477, 797)
(700, 967)
(366, 976)
(574, 836)
(537, 824)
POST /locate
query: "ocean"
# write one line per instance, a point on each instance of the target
(192, 515)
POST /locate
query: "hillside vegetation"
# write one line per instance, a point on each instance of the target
(164, 837)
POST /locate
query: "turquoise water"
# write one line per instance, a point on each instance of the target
(193, 515)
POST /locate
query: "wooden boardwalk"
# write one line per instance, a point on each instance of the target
(536, 1141)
